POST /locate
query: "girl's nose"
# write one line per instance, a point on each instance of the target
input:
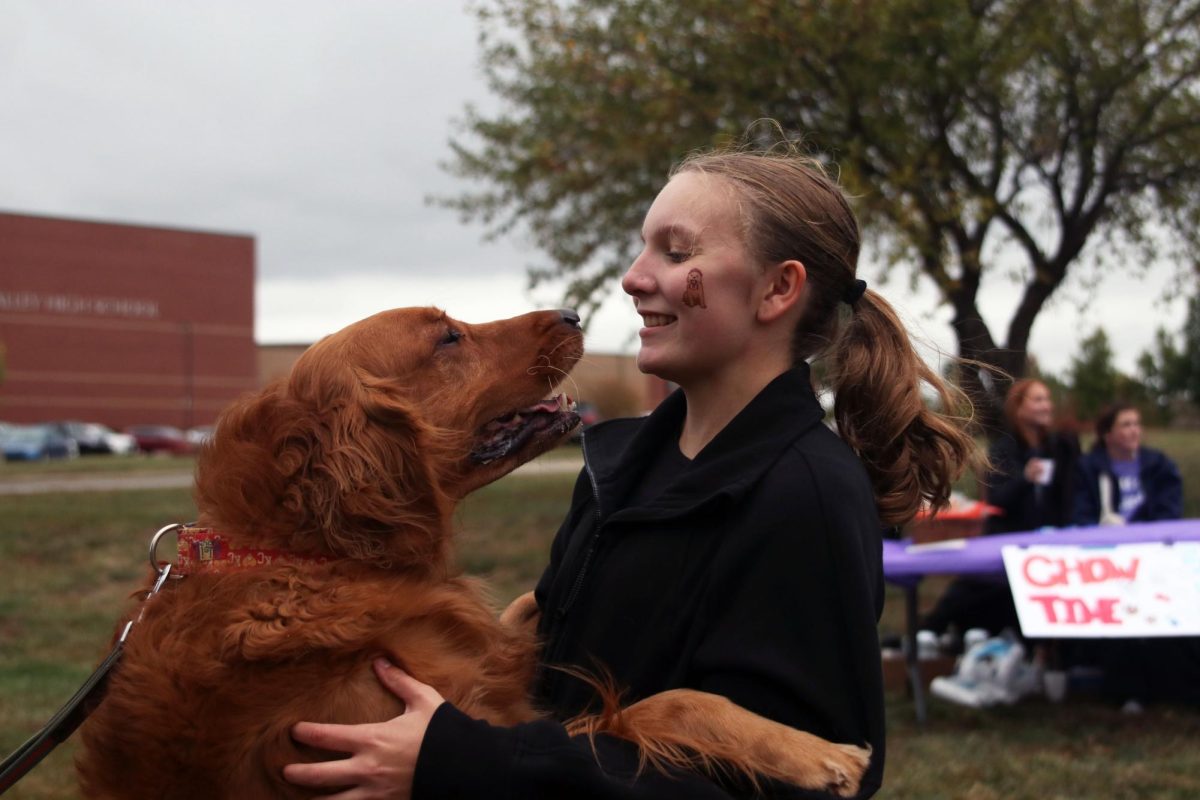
(637, 279)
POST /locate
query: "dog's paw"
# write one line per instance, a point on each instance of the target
(844, 766)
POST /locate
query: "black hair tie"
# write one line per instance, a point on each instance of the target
(853, 292)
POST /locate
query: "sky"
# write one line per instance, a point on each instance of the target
(319, 128)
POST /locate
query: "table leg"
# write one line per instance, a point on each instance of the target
(910, 650)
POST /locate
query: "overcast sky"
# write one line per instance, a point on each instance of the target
(318, 127)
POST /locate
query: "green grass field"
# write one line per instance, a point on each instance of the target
(68, 562)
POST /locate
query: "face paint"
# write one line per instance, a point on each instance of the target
(693, 295)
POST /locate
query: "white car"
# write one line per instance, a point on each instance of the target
(120, 444)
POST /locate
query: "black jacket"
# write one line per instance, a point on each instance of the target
(756, 575)
(1027, 506)
(1162, 487)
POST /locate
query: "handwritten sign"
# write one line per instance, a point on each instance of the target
(1150, 589)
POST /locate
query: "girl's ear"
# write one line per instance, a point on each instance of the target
(784, 288)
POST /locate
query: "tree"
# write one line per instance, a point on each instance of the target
(1094, 379)
(1171, 373)
(1018, 136)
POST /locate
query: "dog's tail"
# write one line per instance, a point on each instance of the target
(667, 748)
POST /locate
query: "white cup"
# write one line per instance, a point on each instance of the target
(1054, 682)
(1047, 473)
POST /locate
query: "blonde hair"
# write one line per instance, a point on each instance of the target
(793, 210)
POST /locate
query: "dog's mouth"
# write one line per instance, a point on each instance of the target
(504, 436)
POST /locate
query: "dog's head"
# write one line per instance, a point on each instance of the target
(381, 426)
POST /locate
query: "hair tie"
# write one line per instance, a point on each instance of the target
(853, 292)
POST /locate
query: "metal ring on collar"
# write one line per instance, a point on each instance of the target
(154, 540)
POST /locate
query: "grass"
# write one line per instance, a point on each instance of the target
(69, 561)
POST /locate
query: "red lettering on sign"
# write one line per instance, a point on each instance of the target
(1046, 572)
(1074, 611)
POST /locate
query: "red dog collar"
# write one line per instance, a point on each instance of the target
(204, 550)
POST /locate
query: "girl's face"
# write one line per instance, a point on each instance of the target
(694, 284)
(1126, 433)
(1036, 409)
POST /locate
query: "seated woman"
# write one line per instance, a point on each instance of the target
(1118, 482)
(1032, 481)
(1121, 481)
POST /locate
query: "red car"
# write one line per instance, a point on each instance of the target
(161, 439)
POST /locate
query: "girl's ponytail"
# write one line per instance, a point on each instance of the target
(912, 452)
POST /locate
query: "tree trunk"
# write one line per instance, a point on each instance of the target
(990, 369)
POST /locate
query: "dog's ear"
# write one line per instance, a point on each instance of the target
(239, 476)
(351, 471)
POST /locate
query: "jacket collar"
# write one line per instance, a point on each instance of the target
(1101, 456)
(616, 453)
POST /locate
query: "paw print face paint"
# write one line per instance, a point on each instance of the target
(693, 295)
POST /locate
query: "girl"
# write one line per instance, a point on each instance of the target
(729, 542)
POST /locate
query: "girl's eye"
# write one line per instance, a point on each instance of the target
(452, 336)
(678, 256)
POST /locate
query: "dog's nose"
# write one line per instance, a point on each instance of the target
(569, 316)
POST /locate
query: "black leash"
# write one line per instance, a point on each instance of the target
(83, 702)
(61, 725)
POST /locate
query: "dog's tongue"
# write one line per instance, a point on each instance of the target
(549, 405)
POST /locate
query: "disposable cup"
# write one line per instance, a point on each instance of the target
(1055, 684)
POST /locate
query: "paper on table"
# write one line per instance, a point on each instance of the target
(946, 544)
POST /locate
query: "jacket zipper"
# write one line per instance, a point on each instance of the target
(590, 552)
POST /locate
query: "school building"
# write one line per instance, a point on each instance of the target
(123, 324)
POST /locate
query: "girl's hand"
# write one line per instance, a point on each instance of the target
(383, 755)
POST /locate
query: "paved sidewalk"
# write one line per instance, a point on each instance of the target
(35, 484)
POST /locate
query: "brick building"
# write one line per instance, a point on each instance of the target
(123, 324)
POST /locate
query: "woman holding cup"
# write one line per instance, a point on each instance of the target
(1032, 482)
(1033, 466)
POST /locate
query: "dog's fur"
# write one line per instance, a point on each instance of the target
(360, 457)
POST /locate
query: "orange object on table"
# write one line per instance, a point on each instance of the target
(961, 520)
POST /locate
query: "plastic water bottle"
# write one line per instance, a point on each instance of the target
(927, 645)
(973, 637)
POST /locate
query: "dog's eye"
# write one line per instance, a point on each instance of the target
(451, 337)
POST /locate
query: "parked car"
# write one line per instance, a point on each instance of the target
(161, 439)
(93, 437)
(120, 444)
(5, 430)
(37, 442)
(199, 435)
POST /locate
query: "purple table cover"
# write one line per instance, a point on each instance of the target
(980, 556)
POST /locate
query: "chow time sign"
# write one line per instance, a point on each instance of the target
(1150, 589)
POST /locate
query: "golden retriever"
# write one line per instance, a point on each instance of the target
(351, 468)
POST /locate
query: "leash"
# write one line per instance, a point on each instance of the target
(86, 698)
